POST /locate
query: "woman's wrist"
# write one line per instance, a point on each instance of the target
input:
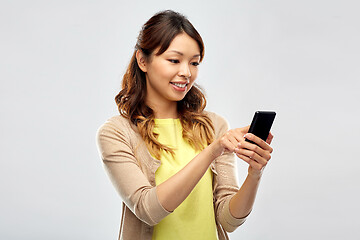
(255, 174)
(215, 149)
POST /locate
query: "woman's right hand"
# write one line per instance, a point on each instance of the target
(229, 141)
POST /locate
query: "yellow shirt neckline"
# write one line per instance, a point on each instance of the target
(166, 120)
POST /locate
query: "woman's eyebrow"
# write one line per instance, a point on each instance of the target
(180, 53)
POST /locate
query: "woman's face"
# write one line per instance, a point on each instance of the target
(171, 75)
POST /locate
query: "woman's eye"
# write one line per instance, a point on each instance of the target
(173, 60)
(195, 64)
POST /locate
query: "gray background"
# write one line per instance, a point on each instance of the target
(61, 65)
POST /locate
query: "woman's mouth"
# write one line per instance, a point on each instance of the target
(179, 86)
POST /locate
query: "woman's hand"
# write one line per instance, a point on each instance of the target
(256, 155)
(229, 141)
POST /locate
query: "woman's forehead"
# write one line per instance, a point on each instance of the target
(183, 45)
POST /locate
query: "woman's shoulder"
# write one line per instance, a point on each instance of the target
(216, 118)
(219, 122)
(115, 121)
(117, 124)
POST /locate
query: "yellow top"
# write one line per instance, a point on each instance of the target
(194, 218)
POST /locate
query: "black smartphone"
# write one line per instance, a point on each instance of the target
(261, 124)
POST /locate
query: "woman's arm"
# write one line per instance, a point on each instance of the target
(122, 166)
(257, 157)
(175, 190)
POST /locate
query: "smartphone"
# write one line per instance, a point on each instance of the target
(261, 124)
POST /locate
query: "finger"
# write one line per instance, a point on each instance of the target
(228, 145)
(232, 139)
(252, 155)
(244, 130)
(269, 138)
(237, 133)
(261, 143)
(251, 162)
(255, 148)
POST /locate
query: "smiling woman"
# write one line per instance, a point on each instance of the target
(170, 75)
(166, 57)
(172, 162)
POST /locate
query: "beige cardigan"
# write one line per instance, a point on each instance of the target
(131, 169)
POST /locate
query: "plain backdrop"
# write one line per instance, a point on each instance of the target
(61, 64)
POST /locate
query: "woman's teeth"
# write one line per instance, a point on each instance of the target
(179, 85)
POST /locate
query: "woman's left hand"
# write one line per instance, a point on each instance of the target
(256, 155)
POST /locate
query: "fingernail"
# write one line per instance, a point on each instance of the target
(236, 149)
(239, 144)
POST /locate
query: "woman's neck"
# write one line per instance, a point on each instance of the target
(164, 110)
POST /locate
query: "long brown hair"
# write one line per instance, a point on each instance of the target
(159, 31)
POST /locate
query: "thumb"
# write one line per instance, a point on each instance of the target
(245, 129)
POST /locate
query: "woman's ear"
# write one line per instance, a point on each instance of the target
(141, 60)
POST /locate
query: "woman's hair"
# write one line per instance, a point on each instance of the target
(158, 32)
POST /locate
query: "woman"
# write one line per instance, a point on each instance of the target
(173, 163)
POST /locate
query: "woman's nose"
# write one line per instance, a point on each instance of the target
(185, 71)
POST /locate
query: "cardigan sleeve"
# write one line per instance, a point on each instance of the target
(130, 182)
(226, 185)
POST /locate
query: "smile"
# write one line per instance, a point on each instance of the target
(180, 85)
